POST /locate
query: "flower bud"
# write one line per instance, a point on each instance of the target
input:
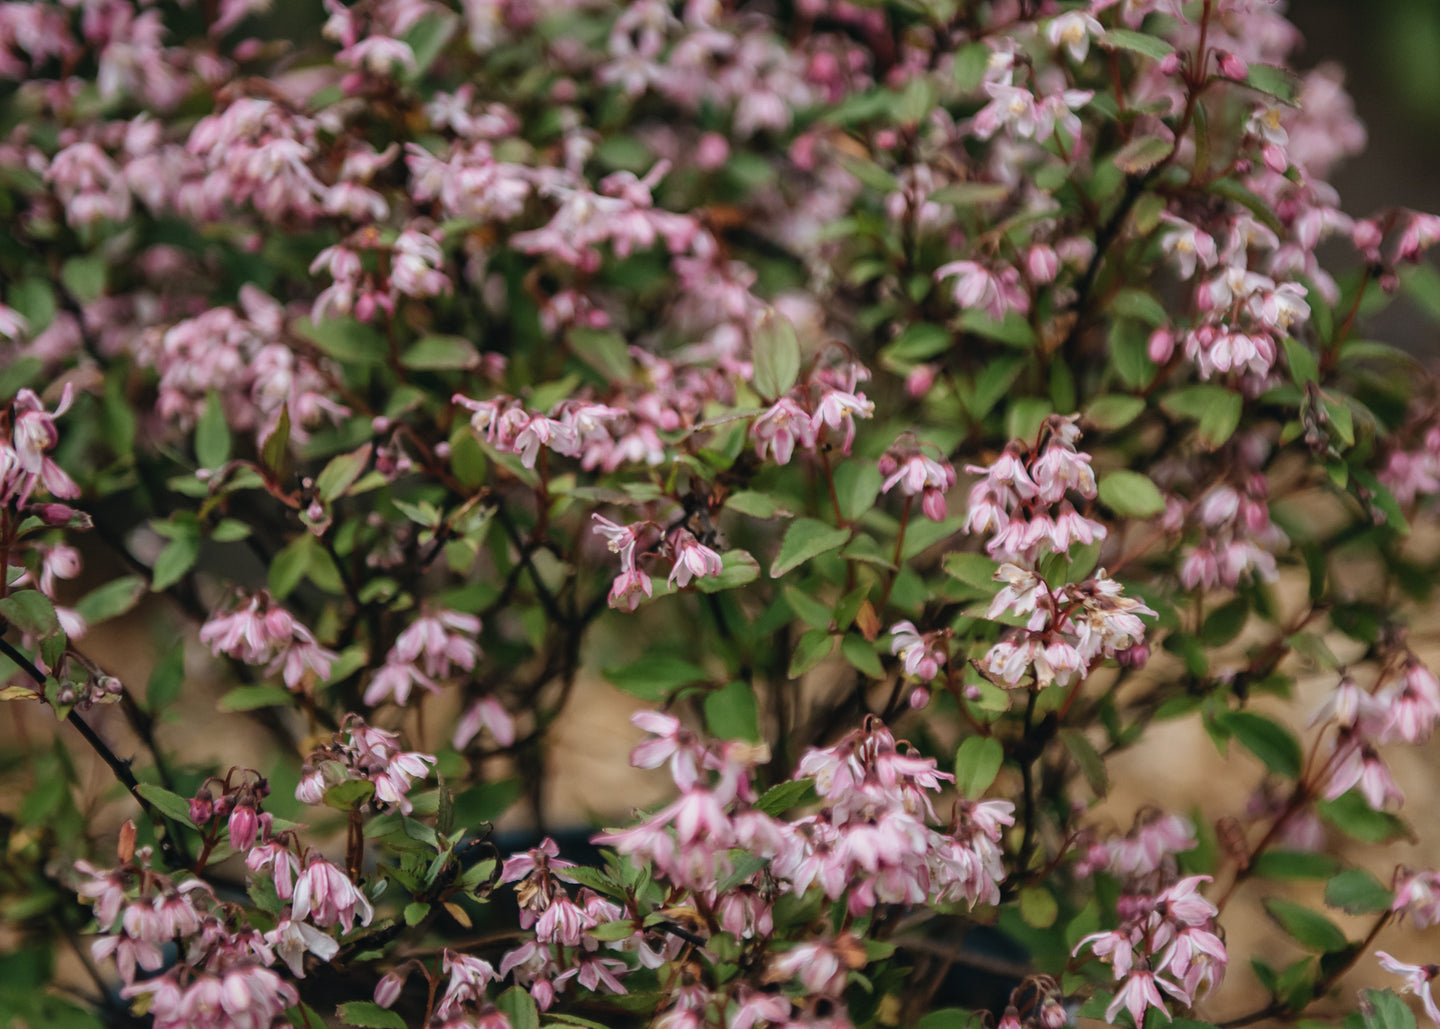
(712, 151)
(387, 990)
(1232, 66)
(1162, 345)
(920, 379)
(1170, 63)
(243, 827)
(202, 807)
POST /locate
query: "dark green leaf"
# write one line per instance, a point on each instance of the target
(519, 1007)
(368, 1015)
(1355, 818)
(31, 612)
(1136, 42)
(655, 676)
(167, 803)
(212, 434)
(1271, 742)
(813, 647)
(1143, 153)
(804, 539)
(275, 451)
(1293, 864)
(605, 351)
(251, 698)
(1114, 411)
(1130, 494)
(1382, 1009)
(440, 353)
(776, 356)
(1091, 764)
(1357, 892)
(340, 474)
(977, 762)
(779, 799)
(1310, 929)
(731, 714)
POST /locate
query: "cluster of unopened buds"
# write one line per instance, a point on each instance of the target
(237, 805)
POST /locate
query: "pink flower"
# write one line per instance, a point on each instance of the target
(1138, 993)
(628, 588)
(1418, 979)
(325, 895)
(921, 658)
(692, 560)
(779, 428)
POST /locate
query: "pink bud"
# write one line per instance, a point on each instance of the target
(1232, 66)
(886, 139)
(932, 502)
(1367, 234)
(1042, 263)
(1170, 63)
(1275, 159)
(244, 824)
(387, 990)
(59, 515)
(202, 807)
(919, 698)
(1162, 345)
(1133, 657)
(712, 151)
(920, 379)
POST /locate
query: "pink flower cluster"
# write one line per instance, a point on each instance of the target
(362, 753)
(1022, 501)
(906, 465)
(258, 631)
(1166, 941)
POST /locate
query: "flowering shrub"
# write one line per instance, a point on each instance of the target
(908, 403)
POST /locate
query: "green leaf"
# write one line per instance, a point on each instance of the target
(977, 762)
(1355, 818)
(754, 504)
(275, 451)
(345, 339)
(1142, 154)
(973, 570)
(341, 472)
(1271, 742)
(655, 676)
(869, 173)
(1382, 1009)
(604, 350)
(1287, 865)
(31, 612)
(814, 613)
(970, 194)
(1130, 494)
(84, 277)
(857, 484)
(1114, 411)
(1225, 622)
(212, 434)
(861, 655)
(610, 931)
(1140, 305)
(166, 679)
(1091, 764)
(804, 539)
(1137, 43)
(737, 567)
(440, 353)
(348, 796)
(368, 1015)
(776, 351)
(173, 562)
(813, 647)
(289, 566)
(1214, 407)
(731, 714)
(1038, 907)
(1357, 892)
(252, 698)
(1273, 81)
(169, 804)
(519, 1007)
(1304, 367)
(779, 799)
(415, 912)
(1310, 929)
